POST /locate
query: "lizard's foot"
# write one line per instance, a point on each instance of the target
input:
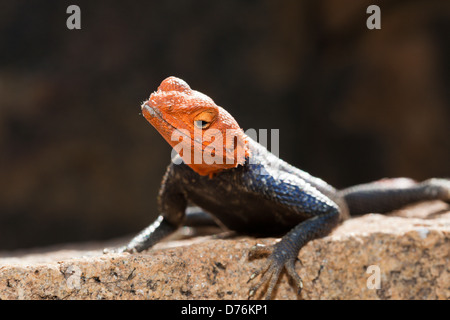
(278, 259)
(121, 249)
(441, 188)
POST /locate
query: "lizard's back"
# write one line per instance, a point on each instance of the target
(234, 196)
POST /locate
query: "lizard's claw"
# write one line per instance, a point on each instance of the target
(277, 260)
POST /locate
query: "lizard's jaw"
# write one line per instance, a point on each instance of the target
(159, 122)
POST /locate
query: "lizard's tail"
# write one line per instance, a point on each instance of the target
(390, 194)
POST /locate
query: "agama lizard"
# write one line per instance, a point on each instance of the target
(252, 191)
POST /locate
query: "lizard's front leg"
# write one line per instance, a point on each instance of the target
(151, 235)
(172, 206)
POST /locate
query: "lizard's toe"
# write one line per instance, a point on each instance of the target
(270, 273)
(259, 250)
(271, 270)
(290, 268)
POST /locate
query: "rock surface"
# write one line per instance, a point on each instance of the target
(411, 250)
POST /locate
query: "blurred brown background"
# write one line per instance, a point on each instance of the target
(79, 163)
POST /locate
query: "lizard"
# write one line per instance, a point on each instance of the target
(249, 189)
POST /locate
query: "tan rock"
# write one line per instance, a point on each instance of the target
(411, 250)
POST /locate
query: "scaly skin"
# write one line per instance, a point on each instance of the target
(252, 191)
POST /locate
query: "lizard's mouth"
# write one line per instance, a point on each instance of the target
(155, 114)
(152, 111)
(165, 126)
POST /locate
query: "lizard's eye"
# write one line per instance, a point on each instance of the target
(201, 124)
(204, 119)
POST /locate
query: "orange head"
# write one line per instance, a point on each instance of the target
(206, 136)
